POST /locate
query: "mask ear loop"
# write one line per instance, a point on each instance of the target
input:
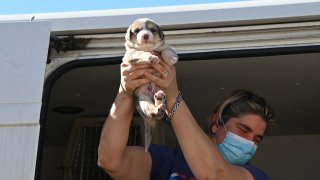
(223, 125)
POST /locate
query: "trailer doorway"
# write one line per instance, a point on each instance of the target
(288, 78)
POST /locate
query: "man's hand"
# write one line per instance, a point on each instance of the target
(132, 76)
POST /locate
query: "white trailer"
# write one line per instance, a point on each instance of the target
(59, 73)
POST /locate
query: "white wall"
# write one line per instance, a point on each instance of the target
(23, 54)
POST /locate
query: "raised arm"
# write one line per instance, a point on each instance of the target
(114, 156)
(199, 150)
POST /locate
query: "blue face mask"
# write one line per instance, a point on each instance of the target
(236, 149)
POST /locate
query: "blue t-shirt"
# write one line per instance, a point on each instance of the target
(169, 164)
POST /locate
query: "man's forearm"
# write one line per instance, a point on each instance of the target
(200, 152)
(114, 136)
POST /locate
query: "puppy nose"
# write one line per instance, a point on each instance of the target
(145, 36)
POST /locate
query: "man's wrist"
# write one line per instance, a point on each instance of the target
(123, 104)
(125, 92)
(177, 101)
(172, 96)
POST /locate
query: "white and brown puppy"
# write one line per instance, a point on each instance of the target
(144, 40)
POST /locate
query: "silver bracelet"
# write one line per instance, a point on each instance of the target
(175, 107)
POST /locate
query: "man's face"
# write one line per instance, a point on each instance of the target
(248, 126)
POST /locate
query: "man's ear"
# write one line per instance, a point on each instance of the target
(214, 123)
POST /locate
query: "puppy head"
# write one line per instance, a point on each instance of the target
(144, 34)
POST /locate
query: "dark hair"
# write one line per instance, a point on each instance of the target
(240, 102)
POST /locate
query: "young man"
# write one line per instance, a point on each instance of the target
(238, 124)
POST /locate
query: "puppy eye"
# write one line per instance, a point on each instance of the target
(153, 30)
(136, 31)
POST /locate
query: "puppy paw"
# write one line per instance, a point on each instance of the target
(173, 60)
(159, 111)
(160, 96)
(160, 103)
(154, 59)
(162, 107)
(169, 56)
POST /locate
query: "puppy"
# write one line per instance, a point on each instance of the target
(145, 39)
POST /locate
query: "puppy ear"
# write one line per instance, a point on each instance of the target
(128, 34)
(161, 34)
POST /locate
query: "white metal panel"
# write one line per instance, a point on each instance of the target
(19, 114)
(18, 152)
(23, 55)
(177, 16)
